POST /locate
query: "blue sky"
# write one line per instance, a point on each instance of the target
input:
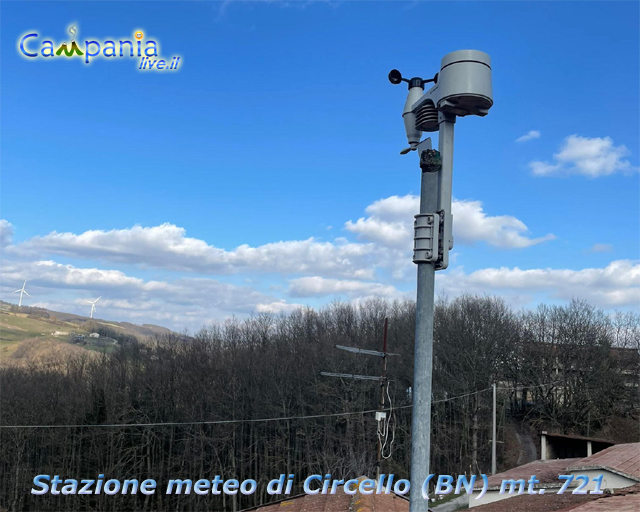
(280, 126)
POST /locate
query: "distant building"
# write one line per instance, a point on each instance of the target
(619, 464)
(560, 446)
(546, 471)
(76, 338)
(625, 361)
(94, 335)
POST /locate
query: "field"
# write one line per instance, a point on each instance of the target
(29, 333)
(17, 327)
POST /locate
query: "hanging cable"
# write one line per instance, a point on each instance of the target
(388, 423)
(230, 422)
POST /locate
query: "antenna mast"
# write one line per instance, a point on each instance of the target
(380, 415)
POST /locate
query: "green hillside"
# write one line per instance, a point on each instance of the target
(34, 324)
(16, 327)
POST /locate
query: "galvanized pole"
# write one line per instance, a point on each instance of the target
(493, 442)
(463, 88)
(446, 123)
(423, 359)
(435, 192)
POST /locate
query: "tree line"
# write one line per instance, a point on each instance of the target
(572, 369)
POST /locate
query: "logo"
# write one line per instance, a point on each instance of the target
(32, 46)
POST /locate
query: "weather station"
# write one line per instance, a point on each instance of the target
(461, 88)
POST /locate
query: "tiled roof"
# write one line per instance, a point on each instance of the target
(623, 500)
(624, 503)
(339, 502)
(546, 471)
(620, 458)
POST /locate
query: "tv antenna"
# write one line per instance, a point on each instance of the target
(381, 415)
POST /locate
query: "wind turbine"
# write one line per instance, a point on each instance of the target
(93, 306)
(22, 292)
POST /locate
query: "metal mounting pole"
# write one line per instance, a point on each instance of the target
(463, 88)
(446, 123)
(423, 356)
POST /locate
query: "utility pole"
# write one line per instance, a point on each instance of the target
(495, 429)
(462, 87)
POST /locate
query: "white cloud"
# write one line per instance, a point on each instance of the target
(616, 285)
(390, 223)
(601, 248)
(311, 268)
(504, 231)
(591, 157)
(543, 168)
(277, 307)
(533, 134)
(50, 273)
(167, 246)
(176, 303)
(6, 233)
(320, 286)
(386, 245)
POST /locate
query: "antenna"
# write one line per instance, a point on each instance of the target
(382, 379)
(22, 292)
(93, 305)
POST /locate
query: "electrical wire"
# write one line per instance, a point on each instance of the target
(281, 418)
(230, 422)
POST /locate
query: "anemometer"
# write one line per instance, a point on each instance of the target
(462, 87)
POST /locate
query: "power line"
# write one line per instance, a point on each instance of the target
(230, 422)
(267, 420)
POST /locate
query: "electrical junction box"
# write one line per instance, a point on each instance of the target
(426, 237)
(380, 416)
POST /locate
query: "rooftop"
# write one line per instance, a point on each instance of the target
(623, 500)
(546, 471)
(339, 502)
(623, 459)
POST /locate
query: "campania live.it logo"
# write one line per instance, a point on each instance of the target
(146, 50)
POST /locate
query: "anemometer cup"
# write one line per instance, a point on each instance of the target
(395, 77)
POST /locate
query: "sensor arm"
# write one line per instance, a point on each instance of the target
(445, 147)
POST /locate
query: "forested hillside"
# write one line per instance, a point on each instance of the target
(570, 369)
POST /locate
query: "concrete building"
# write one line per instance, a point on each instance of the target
(560, 446)
(619, 465)
(546, 471)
